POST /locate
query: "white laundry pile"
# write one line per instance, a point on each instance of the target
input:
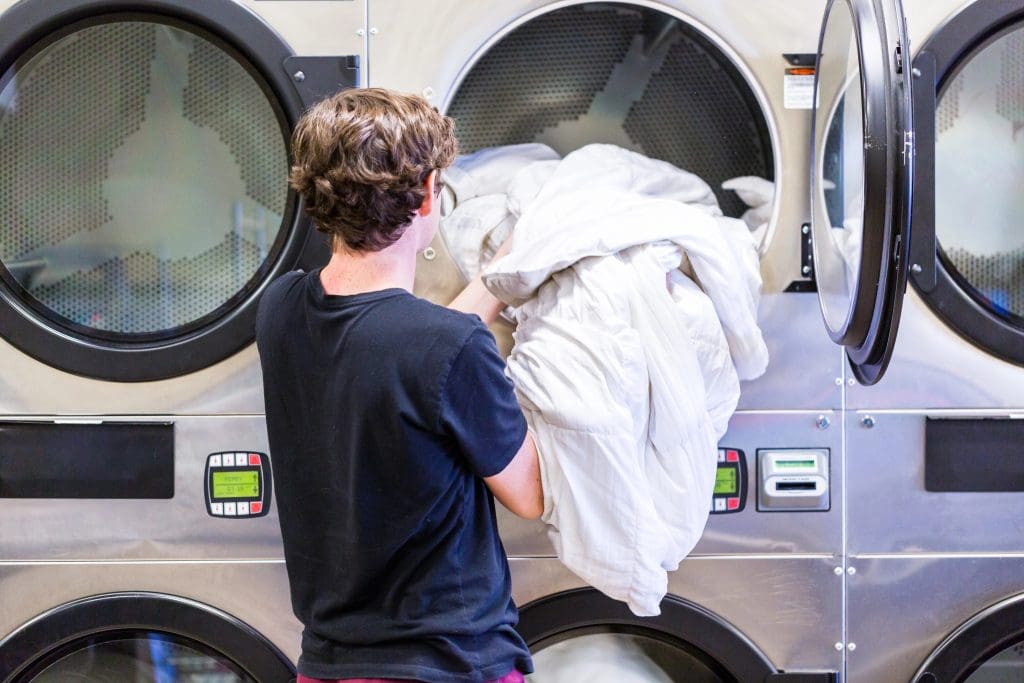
(636, 306)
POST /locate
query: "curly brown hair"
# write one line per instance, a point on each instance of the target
(361, 160)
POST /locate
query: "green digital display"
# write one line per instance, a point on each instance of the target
(725, 481)
(244, 484)
(794, 464)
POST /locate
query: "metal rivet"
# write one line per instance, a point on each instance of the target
(429, 254)
(851, 647)
(374, 31)
(867, 421)
(916, 72)
(428, 93)
(299, 76)
(851, 570)
(360, 31)
(838, 571)
(851, 382)
(916, 269)
(839, 647)
(806, 229)
(839, 381)
(823, 422)
(806, 270)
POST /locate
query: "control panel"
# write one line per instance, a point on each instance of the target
(793, 480)
(730, 493)
(238, 484)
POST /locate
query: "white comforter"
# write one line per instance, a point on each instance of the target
(627, 368)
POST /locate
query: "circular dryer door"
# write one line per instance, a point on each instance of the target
(143, 201)
(861, 170)
(988, 648)
(139, 637)
(583, 635)
(967, 254)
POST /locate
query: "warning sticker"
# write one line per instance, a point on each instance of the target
(798, 88)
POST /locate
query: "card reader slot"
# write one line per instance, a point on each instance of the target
(795, 486)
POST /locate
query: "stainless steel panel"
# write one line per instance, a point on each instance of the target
(791, 608)
(318, 28)
(748, 531)
(889, 510)
(29, 387)
(178, 528)
(900, 608)
(805, 369)
(254, 592)
(933, 367)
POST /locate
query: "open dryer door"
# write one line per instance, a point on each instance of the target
(861, 174)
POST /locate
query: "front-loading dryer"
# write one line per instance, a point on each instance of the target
(713, 88)
(143, 210)
(917, 167)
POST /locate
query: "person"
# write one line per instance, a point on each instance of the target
(391, 421)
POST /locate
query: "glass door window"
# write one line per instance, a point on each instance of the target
(979, 175)
(621, 657)
(142, 658)
(143, 179)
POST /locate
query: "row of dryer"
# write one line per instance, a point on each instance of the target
(142, 147)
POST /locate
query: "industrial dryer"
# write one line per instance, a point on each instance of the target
(143, 151)
(918, 165)
(714, 88)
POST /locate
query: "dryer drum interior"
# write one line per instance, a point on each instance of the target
(622, 74)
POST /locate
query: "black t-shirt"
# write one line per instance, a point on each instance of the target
(384, 411)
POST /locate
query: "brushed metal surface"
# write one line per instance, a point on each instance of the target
(177, 528)
(790, 608)
(934, 367)
(748, 531)
(256, 593)
(900, 608)
(889, 510)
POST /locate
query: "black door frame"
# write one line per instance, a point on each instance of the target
(50, 636)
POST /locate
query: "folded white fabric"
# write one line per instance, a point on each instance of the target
(626, 369)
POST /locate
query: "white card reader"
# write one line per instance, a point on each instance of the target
(791, 480)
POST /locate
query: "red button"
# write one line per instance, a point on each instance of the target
(733, 503)
(255, 508)
(254, 460)
(732, 456)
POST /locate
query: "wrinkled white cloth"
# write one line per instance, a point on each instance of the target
(759, 195)
(482, 197)
(627, 370)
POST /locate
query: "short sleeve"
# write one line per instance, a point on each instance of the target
(479, 410)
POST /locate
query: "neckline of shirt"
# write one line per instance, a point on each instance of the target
(340, 300)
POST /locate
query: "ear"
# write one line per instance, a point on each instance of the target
(428, 199)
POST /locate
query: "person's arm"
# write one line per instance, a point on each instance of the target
(517, 487)
(476, 298)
